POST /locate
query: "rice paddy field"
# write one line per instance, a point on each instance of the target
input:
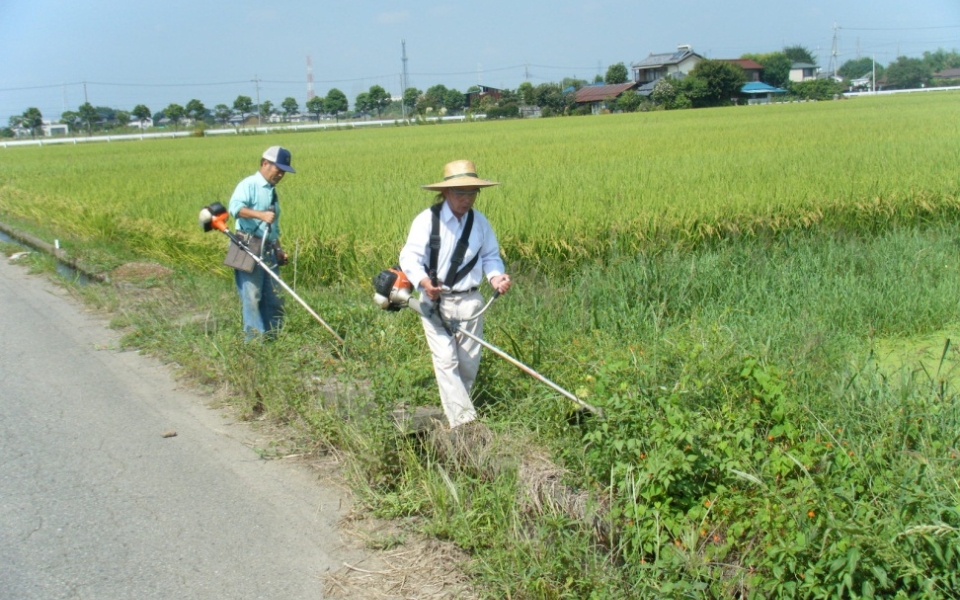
(762, 299)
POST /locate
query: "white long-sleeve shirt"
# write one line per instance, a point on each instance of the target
(415, 255)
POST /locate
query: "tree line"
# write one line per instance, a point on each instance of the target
(710, 83)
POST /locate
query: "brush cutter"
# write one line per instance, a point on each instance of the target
(215, 216)
(394, 292)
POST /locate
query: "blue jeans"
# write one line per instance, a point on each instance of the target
(261, 303)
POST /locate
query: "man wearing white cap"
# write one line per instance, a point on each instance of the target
(449, 277)
(256, 209)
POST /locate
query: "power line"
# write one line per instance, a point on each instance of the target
(900, 28)
(288, 82)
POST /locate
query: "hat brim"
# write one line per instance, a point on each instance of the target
(285, 168)
(460, 182)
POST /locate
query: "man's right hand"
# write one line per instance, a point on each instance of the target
(267, 216)
(432, 291)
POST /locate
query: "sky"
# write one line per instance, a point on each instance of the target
(57, 54)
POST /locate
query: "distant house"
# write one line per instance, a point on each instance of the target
(759, 92)
(473, 98)
(946, 74)
(657, 66)
(135, 122)
(862, 83)
(800, 71)
(47, 129)
(184, 122)
(601, 96)
(751, 68)
(53, 129)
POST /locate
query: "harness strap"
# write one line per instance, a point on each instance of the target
(434, 243)
(454, 274)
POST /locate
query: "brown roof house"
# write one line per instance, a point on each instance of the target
(602, 96)
(947, 74)
(751, 68)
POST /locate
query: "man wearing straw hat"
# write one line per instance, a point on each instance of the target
(449, 278)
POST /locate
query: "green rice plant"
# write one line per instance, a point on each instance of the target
(572, 190)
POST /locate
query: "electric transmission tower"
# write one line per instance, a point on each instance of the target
(310, 93)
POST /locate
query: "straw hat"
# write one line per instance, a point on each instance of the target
(459, 174)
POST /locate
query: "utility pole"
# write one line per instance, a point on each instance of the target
(405, 81)
(256, 80)
(833, 52)
(403, 107)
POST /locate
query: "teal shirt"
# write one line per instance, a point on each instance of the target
(255, 193)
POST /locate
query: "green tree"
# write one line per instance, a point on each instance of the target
(265, 110)
(379, 99)
(315, 107)
(196, 110)
(432, 99)
(907, 73)
(411, 98)
(616, 74)
(89, 116)
(335, 103)
(362, 104)
(816, 89)
(107, 114)
(572, 82)
(243, 106)
(32, 119)
(526, 92)
(629, 101)
(222, 113)
(122, 117)
(454, 101)
(175, 113)
(671, 93)
(941, 60)
(799, 54)
(858, 67)
(776, 67)
(290, 108)
(71, 119)
(722, 81)
(551, 99)
(142, 113)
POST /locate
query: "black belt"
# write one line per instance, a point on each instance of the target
(458, 292)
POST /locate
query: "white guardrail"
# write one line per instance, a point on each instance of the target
(225, 131)
(910, 91)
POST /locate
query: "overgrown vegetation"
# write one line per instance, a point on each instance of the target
(729, 303)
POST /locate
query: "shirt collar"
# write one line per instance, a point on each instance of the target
(263, 180)
(446, 215)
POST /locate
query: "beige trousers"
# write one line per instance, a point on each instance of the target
(456, 359)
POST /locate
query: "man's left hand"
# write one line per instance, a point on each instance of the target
(501, 283)
(282, 258)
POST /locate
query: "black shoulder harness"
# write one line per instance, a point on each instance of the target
(454, 274)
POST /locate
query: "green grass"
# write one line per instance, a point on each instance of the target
(744, 290)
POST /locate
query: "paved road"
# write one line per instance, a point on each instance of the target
(96, 504)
